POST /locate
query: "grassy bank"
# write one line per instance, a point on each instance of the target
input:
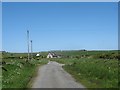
(18, 73)
(93, 73)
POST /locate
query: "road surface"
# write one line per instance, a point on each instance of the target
(52, 75)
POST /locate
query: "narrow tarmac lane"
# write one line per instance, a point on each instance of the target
(52, 75)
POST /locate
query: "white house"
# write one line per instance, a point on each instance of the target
(52, 55)
(38, 55)
(49, 55)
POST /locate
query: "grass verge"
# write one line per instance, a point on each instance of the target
(18, 73)
(93, 73)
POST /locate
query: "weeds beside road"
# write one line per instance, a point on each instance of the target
(93, 73)
(18, 73)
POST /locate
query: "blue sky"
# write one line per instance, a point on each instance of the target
(0, 26)
(60, 26)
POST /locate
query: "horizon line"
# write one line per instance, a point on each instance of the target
(64, 50)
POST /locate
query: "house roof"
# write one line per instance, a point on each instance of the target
(53, 54)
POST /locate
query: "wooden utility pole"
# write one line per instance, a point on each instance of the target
(31, 49)
(28, 44)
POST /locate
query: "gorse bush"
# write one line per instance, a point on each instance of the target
(107, 56)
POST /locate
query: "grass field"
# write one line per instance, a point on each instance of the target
(94, 69)
(92, 54)
(93, 73)
(18, 73)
